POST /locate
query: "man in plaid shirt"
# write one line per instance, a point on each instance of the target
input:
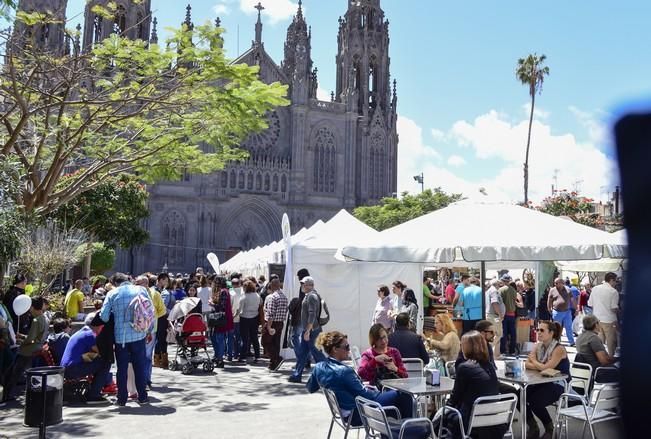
(275, 314)
(129, 344)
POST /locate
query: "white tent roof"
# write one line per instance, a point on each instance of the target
(341, 229)
(600, 266)
(486, 232)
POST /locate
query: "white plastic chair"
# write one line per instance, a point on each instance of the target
(581, 374)
(337, 416)
(414, 366)
(487, 411)
(378, 425)
(601, 407)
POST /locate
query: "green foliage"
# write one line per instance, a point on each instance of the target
(111, 212)
(6, 9)
(12, 221)
(393, 211)
(102, 256)
(531, 71)
(573, 206)
(154, 111)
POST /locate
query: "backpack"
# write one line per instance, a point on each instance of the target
(323, 319)
(142, 313)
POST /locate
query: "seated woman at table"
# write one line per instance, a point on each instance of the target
(332, 374)
(548, 354)
(448, 347)
(380, 361)
(476, 377)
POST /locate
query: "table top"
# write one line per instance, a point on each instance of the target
(418, 386)
(529, 377)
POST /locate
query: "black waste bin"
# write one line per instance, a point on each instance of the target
(44, 398)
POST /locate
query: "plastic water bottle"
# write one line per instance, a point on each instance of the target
(517, 367)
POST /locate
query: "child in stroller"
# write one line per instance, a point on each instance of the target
(191, 339)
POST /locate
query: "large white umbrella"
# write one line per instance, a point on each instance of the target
(486, 232)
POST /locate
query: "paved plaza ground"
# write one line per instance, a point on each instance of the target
(240, 401)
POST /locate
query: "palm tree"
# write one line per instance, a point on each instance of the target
(531, 72)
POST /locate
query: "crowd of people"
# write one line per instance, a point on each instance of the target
(132, 319)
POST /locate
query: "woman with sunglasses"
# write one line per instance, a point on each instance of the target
(548, 354)
(334, 375)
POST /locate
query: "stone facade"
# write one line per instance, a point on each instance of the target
(316, 158)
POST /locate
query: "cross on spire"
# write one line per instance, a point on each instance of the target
(258, 25)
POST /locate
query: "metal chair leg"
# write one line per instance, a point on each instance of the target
(332, 423)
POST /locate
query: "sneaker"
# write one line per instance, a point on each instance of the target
(293, 379)
(144, 401)
(230, 358)
(220, 364)
(120, 403)
(96, 400)
(280, 363)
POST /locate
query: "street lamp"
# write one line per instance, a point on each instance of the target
(420, 179)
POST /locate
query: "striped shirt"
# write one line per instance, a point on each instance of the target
(117, 302)
(275, 307)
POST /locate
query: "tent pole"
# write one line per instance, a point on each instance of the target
(482, 269)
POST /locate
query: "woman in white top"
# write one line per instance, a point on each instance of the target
(249, 308)
(203, 293)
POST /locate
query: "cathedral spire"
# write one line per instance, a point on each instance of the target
(258, 24)
(188, 17)
(154, 32)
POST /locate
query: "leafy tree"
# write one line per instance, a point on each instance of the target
(573, 206)
(110, 212)
(393, 211)
(103, 256)
(12, 224)
(531, 71)
(124, 106)
(6, 8)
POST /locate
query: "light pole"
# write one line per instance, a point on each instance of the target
(420, 179)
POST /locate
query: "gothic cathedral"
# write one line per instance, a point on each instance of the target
(316, 157)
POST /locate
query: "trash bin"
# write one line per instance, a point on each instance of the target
(44, 398)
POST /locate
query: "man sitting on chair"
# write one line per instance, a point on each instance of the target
(406, 341)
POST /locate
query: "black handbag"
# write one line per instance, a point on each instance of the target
(217, 319)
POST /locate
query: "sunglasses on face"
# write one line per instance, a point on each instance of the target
(540, 330)
(346, 347)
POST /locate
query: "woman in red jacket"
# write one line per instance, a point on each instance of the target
(380, 361)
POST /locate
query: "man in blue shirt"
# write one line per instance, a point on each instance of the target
(470, 300)
(129, 343)
(574, 299)
(81, 358)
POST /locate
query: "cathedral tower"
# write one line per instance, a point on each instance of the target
(363, 59)
(49, 36)
(297, 64)
(132, 19)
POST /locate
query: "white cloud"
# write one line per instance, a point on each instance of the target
(593, 122)
(322, 94)
(456, 160)
(493, 136)
(221, 9)
(276, 10)
(437, 135)
(538, 113)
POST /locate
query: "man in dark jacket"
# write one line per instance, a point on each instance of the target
(406, 341)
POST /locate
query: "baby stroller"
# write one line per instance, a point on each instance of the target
(191, 339)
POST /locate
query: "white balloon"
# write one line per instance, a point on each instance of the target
(22, 304)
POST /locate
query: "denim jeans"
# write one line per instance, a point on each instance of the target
(133, 353)
(218, 340)
(508, 331)
(234, 341)
(305, 349)
(565, 319)
(149, 352)
(98, 368)
(401, 401)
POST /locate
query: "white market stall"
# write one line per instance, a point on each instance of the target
(485, 232)
(350, 289)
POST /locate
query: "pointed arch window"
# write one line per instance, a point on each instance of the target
(249, 181)
(241, 182)
(140, 22)
(233, 180)
(325, 162)
(275, 186)
(173, 237)
(120, 23)
(283, 184)
(267, 182)
(258, 182)
(224, 179)
(97, 29)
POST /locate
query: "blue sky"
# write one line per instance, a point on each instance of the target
(463, 115)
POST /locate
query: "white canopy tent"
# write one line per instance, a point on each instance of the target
(486, 232)
(348, 288)
(602, 265)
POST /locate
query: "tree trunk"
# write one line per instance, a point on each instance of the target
(526, 157)
(89, 258)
